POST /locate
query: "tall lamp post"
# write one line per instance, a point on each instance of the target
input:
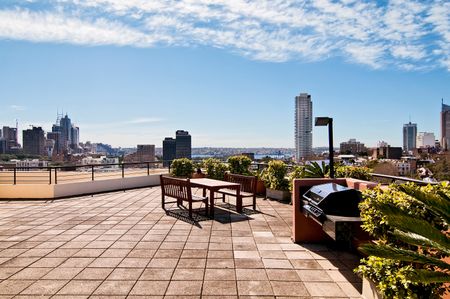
(328, 121)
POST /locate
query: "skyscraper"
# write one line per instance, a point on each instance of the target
(183, 144)
(145, 152)
(34, 141)
(169, 150)
(409, 136)
(445, 126)
(10, 135)
(66, 131)
(303, 126)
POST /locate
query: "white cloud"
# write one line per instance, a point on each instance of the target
(406, 34)
(17, 107)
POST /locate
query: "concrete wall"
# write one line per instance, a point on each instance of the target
(43, 191)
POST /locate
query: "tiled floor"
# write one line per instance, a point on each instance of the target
(124, 245)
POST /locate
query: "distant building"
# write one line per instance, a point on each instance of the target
(425, 139)
(30, 163)
(75, 137)
(303, 126)
(183, 144)
(352, 147)
(11, 137)
(388, 152)
(34, 141)
(409, 136)
(445, 126)
(145, 152)
(169, 150)
(66, 131)
(56, 137)
(3, 147)
(382, 143)
(100, 160)
(49, 146)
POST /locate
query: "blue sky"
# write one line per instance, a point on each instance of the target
(134, 71)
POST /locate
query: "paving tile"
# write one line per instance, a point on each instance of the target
(192, 263)
(94, 274)
(8, 272)
(254, 288)
(220, 254)
(13, 287)
(282, 275)
(184, 288)
(62, 273)
(133, 262)
(277, 264)
(220, 274)
(31, 273)
(220, 263)
(80, 287)
(288, 288)
(106, 262)
(219, 288)
(157, 274)
(324, 289)
(44, 287)
(251, 274)
(149, 288)
(188, 274)
(114, 287)
(248, 264)
(48, 262)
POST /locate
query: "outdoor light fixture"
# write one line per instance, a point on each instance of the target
(328, 121)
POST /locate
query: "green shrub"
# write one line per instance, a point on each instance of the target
(215, 168)
(182, 168)
(297, 173)
(386, 215)
(314, 170)
(274, 176)
(239, 164)
(360, 173)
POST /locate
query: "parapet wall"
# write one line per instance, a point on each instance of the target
(52, 191)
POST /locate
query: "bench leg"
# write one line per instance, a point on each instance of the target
(254, 202)
(163, 203)
(223, 197)
(206, 207)
(190, 209)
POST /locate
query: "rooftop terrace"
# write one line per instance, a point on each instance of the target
(123, 244)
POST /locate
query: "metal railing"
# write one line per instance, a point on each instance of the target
(399, 179)
(78, 173)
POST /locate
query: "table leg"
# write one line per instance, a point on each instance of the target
(211, 202)
(238, 200)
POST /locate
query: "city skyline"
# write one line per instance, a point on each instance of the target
(125, 91)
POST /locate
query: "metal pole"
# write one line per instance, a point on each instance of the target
(92, 168)
(331, 148)
(56, 176)
(123, 170)
(49, 176)
(15, 173)
(148, 168)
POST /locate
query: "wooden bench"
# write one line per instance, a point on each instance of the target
(180, 189)
(248, 187)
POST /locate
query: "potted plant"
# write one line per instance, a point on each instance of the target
(239, 164)
(410, 225)
(277, 186)
(182, 167)
(356, 172)
(215, 168)
(260, 187)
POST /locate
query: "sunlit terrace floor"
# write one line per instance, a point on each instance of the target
(123, 244)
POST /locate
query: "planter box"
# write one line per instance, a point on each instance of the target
(198, 175)
(260, 188)
(278, 194)
(369, 290)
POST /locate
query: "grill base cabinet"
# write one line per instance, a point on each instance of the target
(308, 229)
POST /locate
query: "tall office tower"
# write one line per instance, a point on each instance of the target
(445, 126)
(2, 145)
(75, 137)
(425, 139)
(66, 131)
(55, 136)
(10, 135)
(169, 150)
(409, 136)
(303, 126)
(184, 146)
(34, 141)
(145, 153)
